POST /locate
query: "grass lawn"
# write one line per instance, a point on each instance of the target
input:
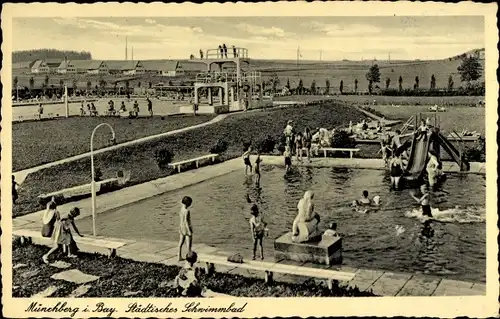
(35, 143)
(118, 276)
(413, 100)
(139, 158)
(455, 118)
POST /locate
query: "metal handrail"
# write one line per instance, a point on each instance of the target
(231, 53)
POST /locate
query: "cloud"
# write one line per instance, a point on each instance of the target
(344, 30)
(262, 31)
(150, 21)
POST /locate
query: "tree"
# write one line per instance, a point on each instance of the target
(356, 86)
(417, 81)
(127, 86)
(45, 84)
(450, 83)
(139, 84)
(433, 82)
(15, 82)
(387, 83)
(170, 83)
(373, 76)
(288, 84)
(150, 84)
(275, 81)
(300, 87)
(32, 83)
(313, 87)
(470, 69)
(89, 85)
(115, 87)
(102, 84)
(61, 83)
(400, 81)
(327, 86)
(341, 88)
(75, 85)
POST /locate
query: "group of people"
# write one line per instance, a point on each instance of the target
(223, 52)
(58, 227)
(111, 111)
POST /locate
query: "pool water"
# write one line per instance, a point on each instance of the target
(390, 238)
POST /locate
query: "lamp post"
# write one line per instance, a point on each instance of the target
(92, 184)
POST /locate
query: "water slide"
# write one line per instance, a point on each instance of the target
(418, 157)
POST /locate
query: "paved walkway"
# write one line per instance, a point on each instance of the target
(380, 282)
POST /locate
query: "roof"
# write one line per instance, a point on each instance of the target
(22, 65)
(81, 64)
(115, 64)
(130, 65)
(53, 62)
(192, 66)
(160, 65)
(37, 64)
(95, 64)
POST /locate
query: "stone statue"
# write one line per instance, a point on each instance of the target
(305, 225)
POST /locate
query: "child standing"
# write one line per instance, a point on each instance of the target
(185, 228)
(385, 150)
(288, 159)
(246, 160)
(424, 201)
(299, 145)
(257, 169)
(14, 190)
(258, 229)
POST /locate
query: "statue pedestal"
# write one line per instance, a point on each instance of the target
(323, 250)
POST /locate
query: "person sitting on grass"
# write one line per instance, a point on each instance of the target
(93, 110)
(185, 228)
(246, 160)
(82, 110)
(187, 282)
(258, 230)
(332, 231)
(40, 111)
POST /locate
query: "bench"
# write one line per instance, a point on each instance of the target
(270, 268)
(27, 235)
(197, 160)
(332, 149)
(76, 191)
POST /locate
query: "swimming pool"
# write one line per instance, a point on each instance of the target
(220, 217)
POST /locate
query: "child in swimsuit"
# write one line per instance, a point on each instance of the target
(424, 201)
(385, 150)
(257, 169)
(258, 230)
(186, 281)
(298, 145)
(288, 159)
(396, 171)
(185, 228)
(246, 160)
(364, 200)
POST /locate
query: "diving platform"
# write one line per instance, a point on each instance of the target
(236, 90)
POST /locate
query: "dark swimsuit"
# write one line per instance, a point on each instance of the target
(426, 210)
(246, 160)
(396, 170)
(288, 161)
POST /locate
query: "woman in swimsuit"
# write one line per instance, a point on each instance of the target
(246, 160)
(307, 139)
(298, 145)
(396, 170)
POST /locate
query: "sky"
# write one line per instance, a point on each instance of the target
(331, 38)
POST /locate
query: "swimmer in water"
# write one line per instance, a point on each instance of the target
(332, 231)
(424, 201)
(364, 200)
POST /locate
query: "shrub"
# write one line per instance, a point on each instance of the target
(163, 157)
(281, 144)
(219, 147)
(476, 153)
(342, 139)
(266, 145)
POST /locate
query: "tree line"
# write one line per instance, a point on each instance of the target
(40, 54)
(470, 70)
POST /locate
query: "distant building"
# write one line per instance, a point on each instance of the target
(22, 67)
(98, 67)
(40, 67)
(132, 68)
(190, 68)
(161, 67)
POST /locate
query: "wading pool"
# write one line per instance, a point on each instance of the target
(389, 239)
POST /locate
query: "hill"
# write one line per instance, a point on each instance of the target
(31, 55)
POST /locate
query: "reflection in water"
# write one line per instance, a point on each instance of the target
(220, 216)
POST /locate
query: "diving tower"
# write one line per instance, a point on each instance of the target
(227, 85)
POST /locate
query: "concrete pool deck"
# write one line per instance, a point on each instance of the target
(381, 282)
